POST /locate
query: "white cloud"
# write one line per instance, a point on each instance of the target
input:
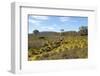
(35, 22)
(67, 19)
(40, 17)
(55, 25)
(63, 19)
(48, 28)
(51, 28)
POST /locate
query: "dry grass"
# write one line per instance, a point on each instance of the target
(53, 47)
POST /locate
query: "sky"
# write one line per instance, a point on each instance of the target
(56, 23)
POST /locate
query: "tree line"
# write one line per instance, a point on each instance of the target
(83, 30)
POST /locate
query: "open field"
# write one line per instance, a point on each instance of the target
(51, 47)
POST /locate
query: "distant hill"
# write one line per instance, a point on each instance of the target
(48, 33)
(52, 33)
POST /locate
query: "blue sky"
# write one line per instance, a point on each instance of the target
(56, 23)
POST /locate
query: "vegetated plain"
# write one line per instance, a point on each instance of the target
(49, 45)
